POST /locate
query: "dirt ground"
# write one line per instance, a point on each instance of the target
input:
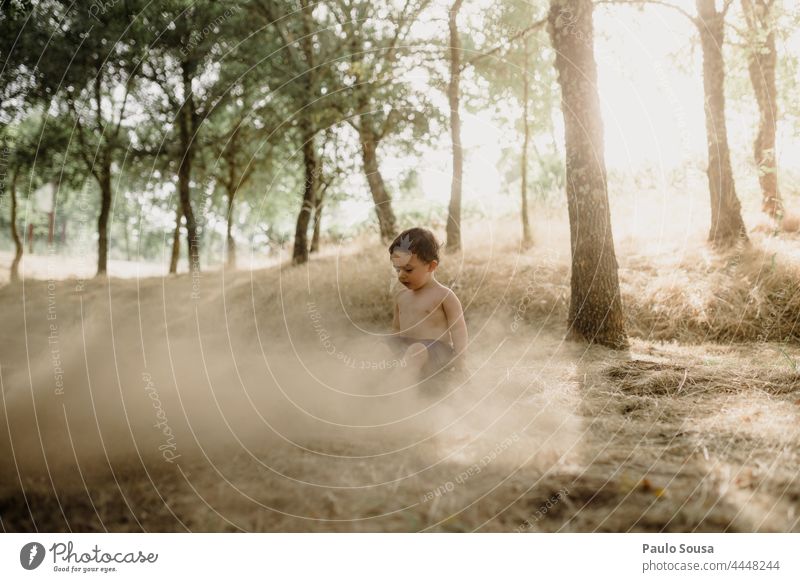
(257, 401)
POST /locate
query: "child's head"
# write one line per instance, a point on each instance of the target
(415, 256)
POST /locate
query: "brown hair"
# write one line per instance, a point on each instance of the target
(419, 241)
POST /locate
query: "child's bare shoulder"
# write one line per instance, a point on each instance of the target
(444, 291)
(398, 291)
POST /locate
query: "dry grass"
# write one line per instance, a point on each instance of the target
(693, 429)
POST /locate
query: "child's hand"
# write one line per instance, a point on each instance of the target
(460, 365)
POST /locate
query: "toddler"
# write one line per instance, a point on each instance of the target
(430, 332)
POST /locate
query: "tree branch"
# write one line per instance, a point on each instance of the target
(264, 6)
(388, 124)
(81, 138)
(98, 97)
(162, 83)
(521, 34)
(248, 172)
(656, 2)
(122, 109)
(406, 20)
(726, 6)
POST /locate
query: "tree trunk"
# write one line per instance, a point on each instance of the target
(526, 228)
(230, 242)
(453, 95)
(176, 242)
(51, 216)
(308, 132)
(317, 221)
(51, 225)
(762, 58)
(127, 242)
(315, 232)
(381, 198)
(727, 226)
(18, 247)
(595, 311)
(186, 121)
(102, 220)
(300, 251)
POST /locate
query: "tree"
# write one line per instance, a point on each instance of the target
(94, 61)
(87, 71)
(501, 60)
(595, 311)
(515, 70)
(328, 173)
(453, 230)
(235, 138)
(727, 226)
(375, 104)
(152, 160)
(35, 157)
(18, 66)
(302, 45)
(762, 58)
(14, 166)
(236, 175)
(18, 75)
(184, 64)
(527, 239)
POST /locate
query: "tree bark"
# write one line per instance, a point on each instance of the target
(186, 122)
(595, 311)
(51, 216)
(453, 94)
(526, 228)
(102, 220)
(231, 243)
(18, 246)
(383, 202)
(727, 227)
(762, 58)
(176, 242)
(308, 132)
(318, 205)
(127, 242)
(300, 251)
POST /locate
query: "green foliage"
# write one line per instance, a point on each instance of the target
(514, 39)
(101, 85)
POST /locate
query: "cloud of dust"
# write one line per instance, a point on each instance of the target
(157, 371)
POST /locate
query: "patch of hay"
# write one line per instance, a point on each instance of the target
(643, 377)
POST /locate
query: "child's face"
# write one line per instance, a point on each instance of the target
(411, 271)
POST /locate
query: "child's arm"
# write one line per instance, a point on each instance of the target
(396, 321)
(458, 327)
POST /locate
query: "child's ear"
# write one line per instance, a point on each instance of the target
(433, 264)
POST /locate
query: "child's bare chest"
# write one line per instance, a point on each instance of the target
(425, 312)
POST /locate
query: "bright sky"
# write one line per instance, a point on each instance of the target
(652, 110)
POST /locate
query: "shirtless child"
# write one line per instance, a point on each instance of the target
(430, 332)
